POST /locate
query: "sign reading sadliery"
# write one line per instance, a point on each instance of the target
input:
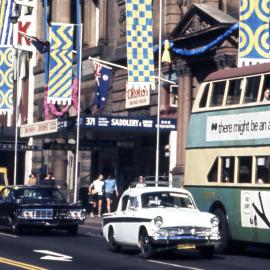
(39, 128)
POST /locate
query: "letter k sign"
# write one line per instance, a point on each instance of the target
(23, 27)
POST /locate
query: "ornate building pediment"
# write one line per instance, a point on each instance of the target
(200, 19)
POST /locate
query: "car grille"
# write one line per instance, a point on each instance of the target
(43, 213)
(62, 213)
(200, 231)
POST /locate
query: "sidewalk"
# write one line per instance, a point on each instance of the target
(93, 222)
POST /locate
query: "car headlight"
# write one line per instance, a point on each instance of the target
(158, 221)
(77, 214)
(28, 214)
(214, 222)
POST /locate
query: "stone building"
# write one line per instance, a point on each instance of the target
(189, 24)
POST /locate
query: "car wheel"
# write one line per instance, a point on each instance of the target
(223, 229)
(145, 244)
(112, 243)
(73, 230)
(206, 252)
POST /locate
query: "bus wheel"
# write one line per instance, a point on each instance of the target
(223, 229)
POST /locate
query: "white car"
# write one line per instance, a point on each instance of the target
(157, 219)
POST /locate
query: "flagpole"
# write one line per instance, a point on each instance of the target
(123, 67)
(158, 98)
(79, 68)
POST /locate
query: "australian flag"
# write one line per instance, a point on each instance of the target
(103, 75)
(43, 46)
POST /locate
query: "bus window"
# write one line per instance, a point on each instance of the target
(212, 175)
(266, 85)
(217, 93)
(204, 96)
(245, 169)
(227, 171)
(234, 91)
(262, 170)
(252, 89)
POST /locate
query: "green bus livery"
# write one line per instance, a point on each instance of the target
(227, 165)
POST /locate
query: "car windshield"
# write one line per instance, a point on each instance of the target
(39, 194)
(166, 199)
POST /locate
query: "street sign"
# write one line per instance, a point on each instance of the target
(21, 147)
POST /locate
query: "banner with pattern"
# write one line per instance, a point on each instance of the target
(6, 80)
(6, 7)
(254, 32)
(140, 54)
(60, 70)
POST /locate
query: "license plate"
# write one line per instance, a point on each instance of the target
(186, 246)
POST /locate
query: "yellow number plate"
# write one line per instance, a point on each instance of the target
(186, 246)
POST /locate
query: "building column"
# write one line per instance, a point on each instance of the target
(183, 114)
(103, 11)
(61, 11)
(90, 31)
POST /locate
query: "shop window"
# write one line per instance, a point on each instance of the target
(252, 89)
(262, 170)
(245, 169)
(203, 100)
(234, 91)
(217, 93)
(212, 175)
(227, 169)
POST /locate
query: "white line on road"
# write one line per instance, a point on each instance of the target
(53, 256)
(94, 234)
(176, 265)
(10, 235)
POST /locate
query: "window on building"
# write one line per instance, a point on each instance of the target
(212, 175)
(227, 169)
(234, 91)
(262, 170)
(203, 100)
(252, 89)
(245, 169)
(217, 93)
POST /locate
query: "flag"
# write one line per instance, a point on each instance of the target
(103, 75)
(43, 46)
(60, 68)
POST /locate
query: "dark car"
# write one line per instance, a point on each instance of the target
(39, 206)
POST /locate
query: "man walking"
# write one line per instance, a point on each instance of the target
(110, 187)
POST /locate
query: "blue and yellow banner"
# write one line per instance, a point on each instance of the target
(60, 71)
(254, 32)
(140, 54)
(6, 80)
(6, 7)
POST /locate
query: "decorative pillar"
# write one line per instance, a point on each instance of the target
(183, 114)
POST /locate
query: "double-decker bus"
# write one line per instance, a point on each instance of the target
(227, 165)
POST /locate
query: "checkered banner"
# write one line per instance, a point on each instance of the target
(6, 80)
(60, 72)
(254, 32)
(140, 54)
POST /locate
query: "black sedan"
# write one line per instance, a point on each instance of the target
(38, 206)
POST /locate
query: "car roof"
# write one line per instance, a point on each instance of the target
(140, 190)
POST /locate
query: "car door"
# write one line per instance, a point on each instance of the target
(4, 206)
(128, 231)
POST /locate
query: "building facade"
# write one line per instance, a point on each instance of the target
(126, 151)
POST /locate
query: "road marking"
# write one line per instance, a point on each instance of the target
(20, 264)
(53, 256)
(176, 265)
(94, 234)
(10, 235)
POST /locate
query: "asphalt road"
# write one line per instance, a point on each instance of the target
(88, 250)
